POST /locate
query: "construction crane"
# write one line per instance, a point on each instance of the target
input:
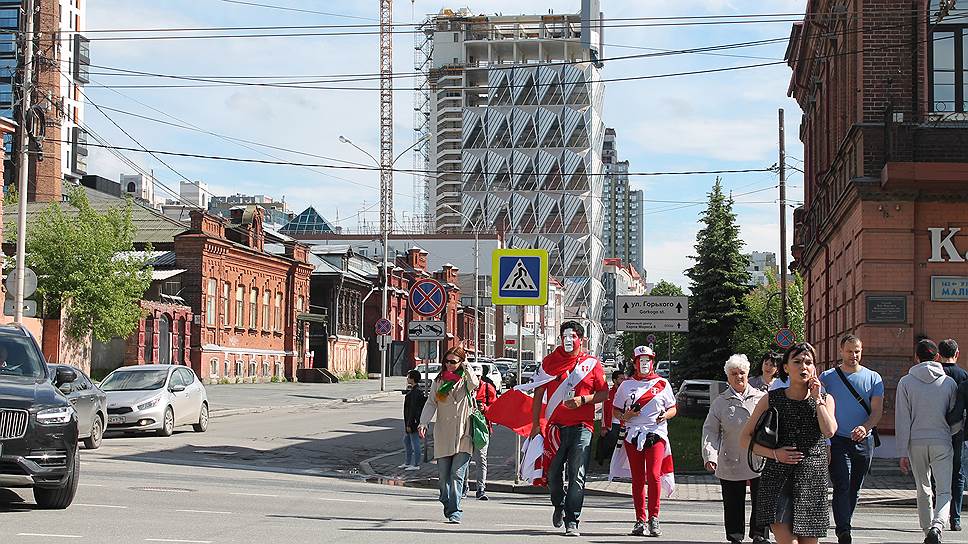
(386, 156)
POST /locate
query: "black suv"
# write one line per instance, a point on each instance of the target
(38, 426)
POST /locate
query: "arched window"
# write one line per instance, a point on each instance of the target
(149, 343)
(131, 187)
(181, 342)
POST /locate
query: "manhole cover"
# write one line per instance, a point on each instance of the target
(163, 489)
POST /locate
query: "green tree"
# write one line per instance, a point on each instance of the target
(719, 282)
(78, 254)
(632, 339)
(756, 333)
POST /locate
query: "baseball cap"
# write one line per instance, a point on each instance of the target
(643, 350)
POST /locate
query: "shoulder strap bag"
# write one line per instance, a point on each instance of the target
(767, 434)
(863, 403)
(480, 433)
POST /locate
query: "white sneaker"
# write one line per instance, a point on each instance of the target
(412, 467)
(403, 466)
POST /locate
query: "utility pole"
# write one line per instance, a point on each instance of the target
(783, 237)
(386, 154)
(23, 167)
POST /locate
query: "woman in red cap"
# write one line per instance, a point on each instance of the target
(644, 404)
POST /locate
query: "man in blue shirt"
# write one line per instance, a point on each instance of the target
(948, 352)
(852, 448)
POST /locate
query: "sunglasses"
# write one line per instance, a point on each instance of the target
(452, 361)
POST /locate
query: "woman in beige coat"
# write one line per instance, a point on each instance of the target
(450, 399)
(724, 454)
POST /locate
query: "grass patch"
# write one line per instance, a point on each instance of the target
(685, 433)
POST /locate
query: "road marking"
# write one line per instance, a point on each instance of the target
(49, 536)
(203, 512)
(176, 540)
(91, 485)
(254, 495)
(100, 505)
(341, 500)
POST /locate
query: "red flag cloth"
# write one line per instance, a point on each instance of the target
(513, 410)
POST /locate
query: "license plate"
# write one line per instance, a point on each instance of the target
(113, 420)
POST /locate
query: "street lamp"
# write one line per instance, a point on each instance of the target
(477, 275)
(385, 235)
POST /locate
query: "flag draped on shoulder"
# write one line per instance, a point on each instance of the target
(514, 409)
(637, 434)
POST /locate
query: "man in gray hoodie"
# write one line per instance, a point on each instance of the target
(924, 398)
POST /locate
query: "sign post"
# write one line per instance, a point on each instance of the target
(519, 277)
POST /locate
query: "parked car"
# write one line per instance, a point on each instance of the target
(528, 371)
(427, 374)
(695, 396)
(155, 398)
(90, 403)
(38, 425)
(664, 368)
(511, 379)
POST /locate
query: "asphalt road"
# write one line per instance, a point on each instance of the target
(289, 475)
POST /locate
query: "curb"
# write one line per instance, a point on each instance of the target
(259, 409)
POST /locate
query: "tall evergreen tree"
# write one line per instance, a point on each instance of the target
(719, 281)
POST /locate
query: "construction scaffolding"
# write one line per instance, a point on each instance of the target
(423, 50)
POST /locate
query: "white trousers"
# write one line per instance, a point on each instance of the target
(927, 461)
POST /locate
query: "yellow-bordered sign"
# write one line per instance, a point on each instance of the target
(519, 277)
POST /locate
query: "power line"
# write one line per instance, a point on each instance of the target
(297, 10)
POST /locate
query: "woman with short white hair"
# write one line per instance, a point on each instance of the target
(724, 454)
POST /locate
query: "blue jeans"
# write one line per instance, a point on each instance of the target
(452, 473)
(849, 463)
(411, 443)
(575, 451)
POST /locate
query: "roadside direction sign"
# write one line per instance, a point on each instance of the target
(30, 308)
(428, 298)
(383, 326)
(785, 338)
(519, 277)
(637, 313)
(426, 330)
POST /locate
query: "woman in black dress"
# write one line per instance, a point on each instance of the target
(793, 486)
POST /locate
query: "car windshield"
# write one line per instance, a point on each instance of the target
(19, 357)
(135, 380)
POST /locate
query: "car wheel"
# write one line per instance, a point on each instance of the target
(168, 425)
(60, 498)
(202, 424)
(93, 442)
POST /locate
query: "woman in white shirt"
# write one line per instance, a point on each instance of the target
(644, 404)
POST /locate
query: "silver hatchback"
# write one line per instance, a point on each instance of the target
(155, 398)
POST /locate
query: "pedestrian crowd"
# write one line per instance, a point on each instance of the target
(786, 435)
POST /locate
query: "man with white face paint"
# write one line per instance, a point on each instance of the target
(570, 382)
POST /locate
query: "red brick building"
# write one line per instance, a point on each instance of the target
(245, 300)
(884, 95)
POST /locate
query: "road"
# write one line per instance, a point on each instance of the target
(289, 475)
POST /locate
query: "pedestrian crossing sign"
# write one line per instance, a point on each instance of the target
(519, 277)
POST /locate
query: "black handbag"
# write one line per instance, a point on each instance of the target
(767, 434)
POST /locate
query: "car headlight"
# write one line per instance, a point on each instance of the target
(150, 404)
(55, 416)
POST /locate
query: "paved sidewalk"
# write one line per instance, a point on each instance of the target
(885, 485)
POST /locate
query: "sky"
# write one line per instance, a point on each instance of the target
(715, 121)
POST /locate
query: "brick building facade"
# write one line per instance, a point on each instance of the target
(885, 102)
(245, 300)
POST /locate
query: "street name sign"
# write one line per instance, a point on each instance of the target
(949, 288)
(637, 313)
(426, 330)
(519, 277)
(30, 308)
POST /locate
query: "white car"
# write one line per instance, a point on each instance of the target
(155, 398)
(490, 370)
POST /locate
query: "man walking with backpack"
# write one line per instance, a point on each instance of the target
(858, 393)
